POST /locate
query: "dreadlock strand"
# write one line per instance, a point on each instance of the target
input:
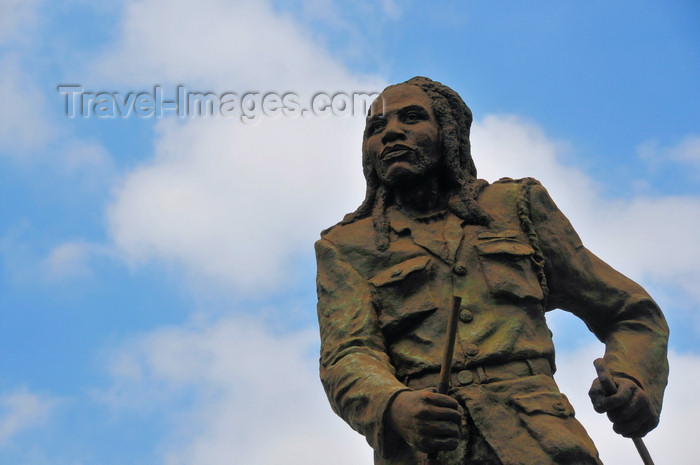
(380, 221)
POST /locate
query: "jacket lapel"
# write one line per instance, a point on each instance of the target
(439, 237)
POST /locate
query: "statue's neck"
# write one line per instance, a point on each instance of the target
(430, 195)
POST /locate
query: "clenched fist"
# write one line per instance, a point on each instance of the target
(628, 407)
(426, 420)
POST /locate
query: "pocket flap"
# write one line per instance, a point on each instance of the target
(400, 271)
(505, 246)
(550, 403)
(410, 312)
(506, 234)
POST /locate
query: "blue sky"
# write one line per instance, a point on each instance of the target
(157, 274)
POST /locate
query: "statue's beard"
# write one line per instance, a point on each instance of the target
(410, 170)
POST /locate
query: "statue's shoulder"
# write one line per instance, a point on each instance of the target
(508, 197)
(505, 183)
(356, 234)
(506, 190)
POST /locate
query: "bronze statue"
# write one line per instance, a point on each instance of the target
(429, 231)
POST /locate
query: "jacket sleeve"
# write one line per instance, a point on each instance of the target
(616, 309)
(356, 372)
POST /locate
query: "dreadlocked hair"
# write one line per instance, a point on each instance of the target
(454, 119)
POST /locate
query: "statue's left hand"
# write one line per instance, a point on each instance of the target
(630, 408)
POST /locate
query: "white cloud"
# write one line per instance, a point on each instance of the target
(258, 396)
(22, 410)
(391, 9)
(229, 201)
(220, 44)
(81, 156)
(23, 125)
(649, 239)
(234, 202)
(512, 146)
(28, 134)
(16, 19)
(27, 264)
(686, 152)
(69, 259)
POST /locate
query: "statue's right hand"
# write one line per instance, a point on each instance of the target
(426, 420)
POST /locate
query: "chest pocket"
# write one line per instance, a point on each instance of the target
(402, 293)
(508, 267)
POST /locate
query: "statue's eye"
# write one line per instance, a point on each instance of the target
(376, 126)
(412, 117)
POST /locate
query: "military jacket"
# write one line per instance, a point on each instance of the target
(383, 314)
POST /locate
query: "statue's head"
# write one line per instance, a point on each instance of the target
(414, 126)
(414, 129)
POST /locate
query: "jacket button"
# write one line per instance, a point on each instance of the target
(466, 315)
(472, 350)
(460, 268)
(465, 377)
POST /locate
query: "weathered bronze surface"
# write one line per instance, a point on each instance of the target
(429, 230)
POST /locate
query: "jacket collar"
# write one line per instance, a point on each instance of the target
(439, 234)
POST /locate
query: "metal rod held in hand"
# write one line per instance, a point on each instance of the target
(446, 367)
(609, 387)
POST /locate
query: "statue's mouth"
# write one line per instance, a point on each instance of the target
(395, 151)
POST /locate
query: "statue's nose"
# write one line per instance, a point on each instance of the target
(392, 132)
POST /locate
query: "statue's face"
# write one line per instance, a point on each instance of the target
(402, 135)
